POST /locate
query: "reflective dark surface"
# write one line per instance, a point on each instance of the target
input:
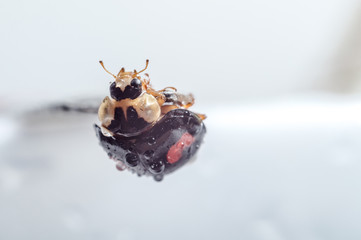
(158, 151)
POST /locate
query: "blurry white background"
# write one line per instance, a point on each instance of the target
(279, 81)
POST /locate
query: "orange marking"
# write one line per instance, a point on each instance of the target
(175, 152)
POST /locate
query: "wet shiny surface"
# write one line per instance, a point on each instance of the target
(160, 150)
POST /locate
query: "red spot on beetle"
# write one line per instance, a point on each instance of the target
(175, 152)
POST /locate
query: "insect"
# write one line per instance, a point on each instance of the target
(147, 131)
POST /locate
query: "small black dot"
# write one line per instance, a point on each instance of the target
(149, 154)
(151, 141)
(156, 167)
(136, 83)
(132, 159)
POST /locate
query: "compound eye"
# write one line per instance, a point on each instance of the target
(115, 92)
(136, 83)
(133, 90)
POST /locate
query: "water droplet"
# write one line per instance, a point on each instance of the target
(131, 159)
(120, 166)
(158, 177)
(151, 141)
(156, 167)
(149, 154)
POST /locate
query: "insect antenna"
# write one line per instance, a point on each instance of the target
(101, 63)
(146, 66)
(165, 89)
(121, 71)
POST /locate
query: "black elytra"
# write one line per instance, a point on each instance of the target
(160, 150)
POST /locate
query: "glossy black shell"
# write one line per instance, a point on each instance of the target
(146, 154)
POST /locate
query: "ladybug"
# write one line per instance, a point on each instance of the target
(149, 132)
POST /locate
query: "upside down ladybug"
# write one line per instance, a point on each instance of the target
(147, 131)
